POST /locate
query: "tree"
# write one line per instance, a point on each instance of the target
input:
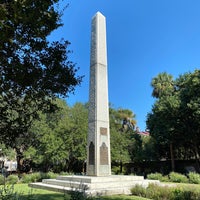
(189, 87)
(33, 71)
(163, 85)
(122, 123)
(174, 119)
(60, 138)
(162, 121)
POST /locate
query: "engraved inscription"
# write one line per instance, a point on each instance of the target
(91, 154)
(103, 131)
(103, 154)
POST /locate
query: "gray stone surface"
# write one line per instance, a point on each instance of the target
(98, 147)
(94, 185)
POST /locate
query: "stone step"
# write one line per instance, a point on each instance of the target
(100, 179)
(111, 190)
(93, 185)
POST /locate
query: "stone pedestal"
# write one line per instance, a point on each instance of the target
(93, 185)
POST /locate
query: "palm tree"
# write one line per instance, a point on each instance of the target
(163, 85)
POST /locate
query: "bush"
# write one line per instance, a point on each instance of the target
(30, 178)
(12, 179)
(37, 177)
(155, 176)
(178, 178)
(158, 192)
(180, 194)
(1, 180)
(165, 179)
(194, 178)
(138, 190)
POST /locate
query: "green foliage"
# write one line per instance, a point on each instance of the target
(194, 178)
(178, 178)
(33, 71)
(154, 176)
(165, 179)
(48, 175)
(156, 192)
(30, 178)
(37, 177)
(8, 193)
(2, 180)
(175, 116)
(138, 190)
(12, 179)
(62, 136)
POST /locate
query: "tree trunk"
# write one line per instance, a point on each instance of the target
(19, 160)
(197, 157)
(172, 157)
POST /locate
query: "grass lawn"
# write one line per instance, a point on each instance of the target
(40, 194)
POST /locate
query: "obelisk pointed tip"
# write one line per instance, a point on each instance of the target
(98, 14)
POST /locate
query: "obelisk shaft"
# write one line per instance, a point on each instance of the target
(98, 148)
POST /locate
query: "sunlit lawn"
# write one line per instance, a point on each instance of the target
(49, 195)
(40, 194)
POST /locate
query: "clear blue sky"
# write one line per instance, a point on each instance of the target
(144, 38)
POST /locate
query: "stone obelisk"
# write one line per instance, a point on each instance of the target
(98, 147)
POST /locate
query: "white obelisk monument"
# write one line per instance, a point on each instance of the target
(98, 147)
(99, 179)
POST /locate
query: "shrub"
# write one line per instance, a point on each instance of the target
(155, 176)
(1, 180)
(29, 178)
(158, 192)
(37, 177)
(194, 178)
(178, 178)
(138, 190)
(12, 179)
(180, 194)
(51, 175)
(165, 179)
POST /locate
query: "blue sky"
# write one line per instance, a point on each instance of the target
(144, 38)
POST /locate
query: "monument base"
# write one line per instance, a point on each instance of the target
(109, 185)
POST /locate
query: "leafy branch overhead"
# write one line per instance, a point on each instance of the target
(33, 71)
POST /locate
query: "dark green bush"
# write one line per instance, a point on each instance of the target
(194, 178)
(178, 178)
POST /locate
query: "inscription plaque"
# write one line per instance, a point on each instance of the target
(103, 131)
(91, 154)
(103, 154)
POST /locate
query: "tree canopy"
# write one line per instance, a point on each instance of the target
(174, 120)
(33, 70)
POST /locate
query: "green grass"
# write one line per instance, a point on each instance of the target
(50, 195)
(40, 194)
(37, 193)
